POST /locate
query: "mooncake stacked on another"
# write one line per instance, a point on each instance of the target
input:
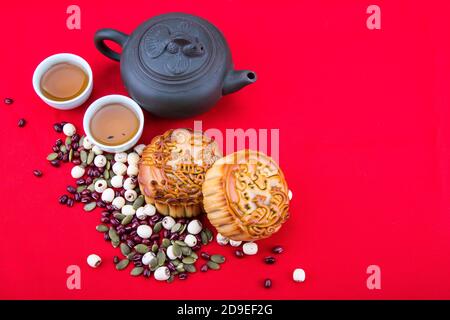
(172, 171)
(245, 196)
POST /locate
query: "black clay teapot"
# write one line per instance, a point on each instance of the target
(175, 65)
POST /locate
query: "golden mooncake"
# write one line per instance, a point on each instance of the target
(245, 196)
(172, 171)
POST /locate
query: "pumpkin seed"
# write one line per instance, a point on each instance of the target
(204, 237)
(138, 202)
(217, 258)
(161, 256)
(106, 176)
(119, 216)
(108, 165)
(176, 262)
(91, 187)
(122, 264)
(176, 250)
(166, 243)
(52, 156)
(157, 228)
(141, 248)
(176, 227)
(171, 278)
(68, 141)
(194, 255)
(127, 220)
(188, 260)
(153, 268)
(155, 248)
(183, 228)
(181, 243)
(83, 156)
(186, 251)
(81, 140)
(102, 228)
(131, 255)
(153, 264)
(111, 173)
(113, 235)
(90, 157)
(70, 155)
(90, 206)
(209, 234)
(180, 267)
(109, 156)
(136, 271)
(81, 188)
(115, 243)
(212, 265)
(63, 149)
(190, 268)
(125, 249)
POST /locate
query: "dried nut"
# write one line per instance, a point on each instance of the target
(117, 181)
(100, 161)
(133, 158)
(118, 202)
(130, 195)
(128, 210)
(162, 273)
(190, 240)
(290, 195)
(100, 186)
(94, 260)
(168, 222)
(132, 170)
(108, 195)
(119, 168)
(299, 275)
(194, 227)
(69, 129)
(97, 150)
(223, 241)
(144, 231)
(171, 254)
(87, 144)
(234, 243)
(139, 148)
(120, 157)
(77, 172)
(148, 257)
(129, 184)
(140, 214)
(250, 248)
(149, 210)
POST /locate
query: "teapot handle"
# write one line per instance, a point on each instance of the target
(109, 34)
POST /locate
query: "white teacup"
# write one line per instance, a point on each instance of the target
(111, 99)
(60, 58)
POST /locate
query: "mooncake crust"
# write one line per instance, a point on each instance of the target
(245, 196)
(172, 170)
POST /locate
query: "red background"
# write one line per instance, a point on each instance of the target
(364, 143)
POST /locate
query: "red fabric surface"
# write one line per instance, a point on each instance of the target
(364, 143)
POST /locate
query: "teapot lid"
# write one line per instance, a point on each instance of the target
(176, 46)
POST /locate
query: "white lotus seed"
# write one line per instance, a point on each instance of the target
(147, 258)
(77, 172)
(97, 150)
(234, 243)
(139, 148)
(108, 195)
(100, 186)
(118, 202)
(130, 195)
(250, 248)
(100, 161)
(299, 275)
(223, 241)
(190, 240)
(290, 195)
(87, 144)
(149, 210)
(162, 273)
(117, 181)
(144, 231)
(168, 222)
(194, 227)
(132, 170)
(119, 168)
(140, 214)
(170, 254)
(133, 158)
(69, 129)
(128, 210)
(94, 260)
(129, 184)
(121, 157)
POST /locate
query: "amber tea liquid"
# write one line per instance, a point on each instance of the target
(114, 124)
(63, 81)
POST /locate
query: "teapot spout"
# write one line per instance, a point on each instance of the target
(237, 79)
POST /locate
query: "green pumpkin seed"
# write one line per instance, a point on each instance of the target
(127, 220)
(90, 157)
(209, 234)
(81, 188)
(204, 237)
(183, 228)
(141, 248)
(176, 262)
(89, 206)
(63, 148)
(188, 260)
(155, 248)
(91, 187)
(115, 243)
(212, 265)
(102, 228)
(68, 141)
(137, 271)
(157, 228)
(108, 165)
(119, 216)
(194, 255)
(109, 156)
(153, 264)
(190, 268)
(176, 250)
(113, 235)
(166, 243)
(171, 278)
(176, 227)
(111, 173)
(81, 142)
(217, 258)
(122, 264)
(52, 156)
(131, 255)
(186, 251)
(153, 268)
(125, 249)
(70, 155)
(138, 202)
(83, 156)
(161, 256)
(180, 267)
(106, 176)
(181, 243)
